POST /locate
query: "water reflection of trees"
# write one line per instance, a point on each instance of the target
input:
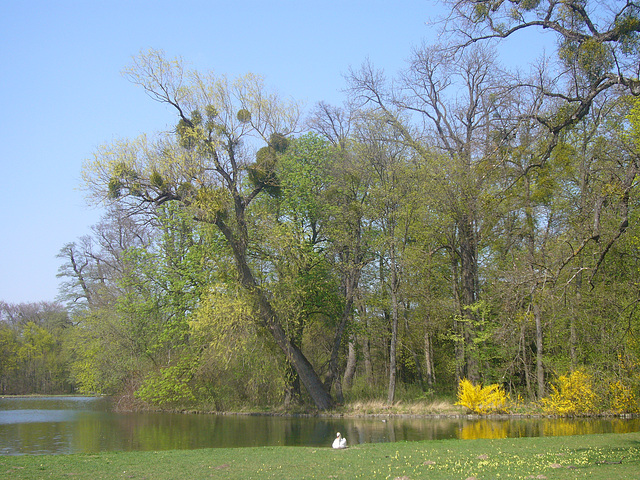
(163, 431)
(48, 426)
(193, 431)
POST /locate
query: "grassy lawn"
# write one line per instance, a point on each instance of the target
(610, 456)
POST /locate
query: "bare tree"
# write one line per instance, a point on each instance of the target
(93, 263)
(597, 48)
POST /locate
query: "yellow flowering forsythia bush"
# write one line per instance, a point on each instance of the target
(623, 400)
(575, 394)
(482, 400)
(622, 393)
(571, 395)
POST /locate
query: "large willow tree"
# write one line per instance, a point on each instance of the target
(210, 167)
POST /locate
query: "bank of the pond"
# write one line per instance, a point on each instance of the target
(363, 409)
(603, 457)
(439, 408)
(403, 411)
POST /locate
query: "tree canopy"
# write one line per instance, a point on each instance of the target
(460, 220)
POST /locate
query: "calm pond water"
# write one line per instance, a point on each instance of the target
(59, 425)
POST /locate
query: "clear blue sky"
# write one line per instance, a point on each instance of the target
(63, 93)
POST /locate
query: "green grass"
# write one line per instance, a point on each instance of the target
(609, 456)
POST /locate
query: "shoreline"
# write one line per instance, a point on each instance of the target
(345, 414)
(471, 416)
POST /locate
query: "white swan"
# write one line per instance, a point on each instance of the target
(339, 442)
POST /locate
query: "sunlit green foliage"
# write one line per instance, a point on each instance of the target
(8, 351)
(634, 123)
(32, 354)
(170, 386)
(237, 365)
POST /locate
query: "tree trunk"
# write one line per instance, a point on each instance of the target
(391, 393)
(573, 343)
(366, 344)
(269, 317)
(300, 363)
(525, 360)
(414, 353)
(350, 286)
(428, 360)
(350, 370)
(469, 297)
(573, 334)
(457, 327)
(539, 348)
(366, 356)
(530, 222)
(292, 393)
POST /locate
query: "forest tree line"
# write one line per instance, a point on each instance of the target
(460, 220)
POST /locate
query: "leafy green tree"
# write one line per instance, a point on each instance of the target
(239, 363)
(93, 264)
(33, 334)
(460, 161)
(205, 168)
(461, 222)
(37, 346)
(322, 186)
(304, 283)
(8, 357)
(393, 202)
(153, 292)
(351, 231)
